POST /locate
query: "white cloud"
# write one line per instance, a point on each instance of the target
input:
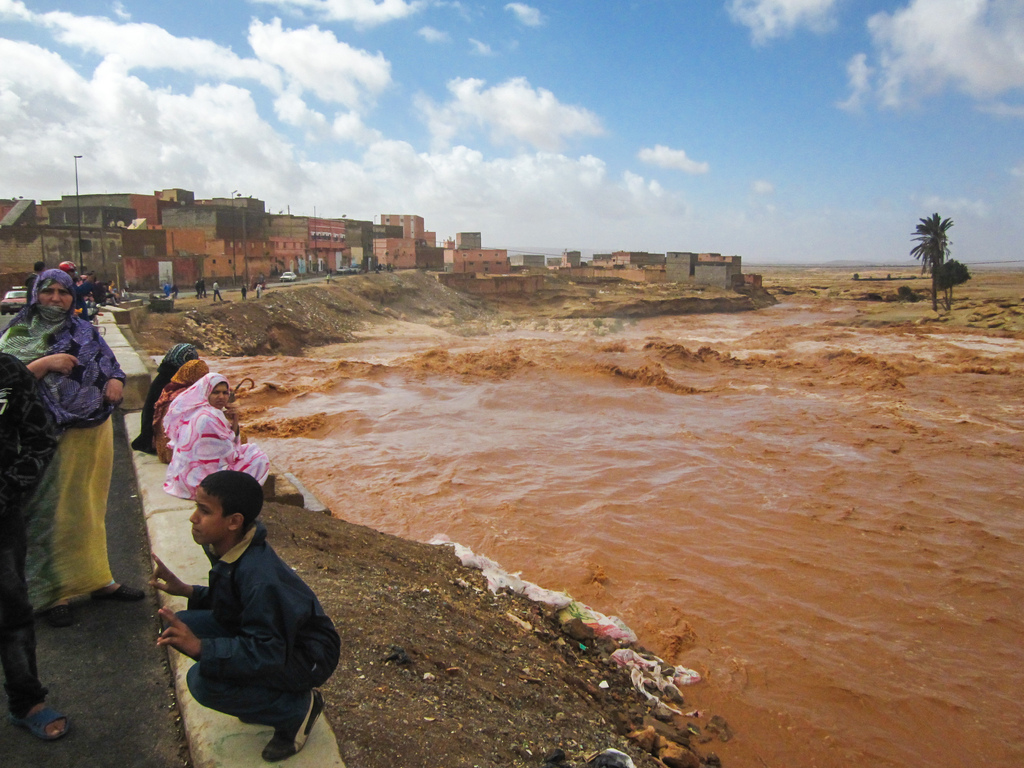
(198, 140)
(291, 109)
(774, 18)
(512, 112)
(762, 187)
(858, 74)
(664, 157)
(317, 61)
(972, 45)
(481, 49)
(121, 12)
(15, 10)
(361, 12)
(432, 35)
(147, 46)
(527, 15)
(350, 127)
(1018, 171)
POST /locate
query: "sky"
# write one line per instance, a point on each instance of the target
(785, 131)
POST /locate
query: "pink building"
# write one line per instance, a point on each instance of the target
(481, 261)
(412, 227)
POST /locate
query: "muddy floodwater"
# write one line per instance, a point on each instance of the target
(825, 520)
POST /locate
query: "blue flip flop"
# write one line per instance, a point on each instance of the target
(36, 724)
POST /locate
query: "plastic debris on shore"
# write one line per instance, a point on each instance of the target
(650, 672)
(611, 627)
(611, 758)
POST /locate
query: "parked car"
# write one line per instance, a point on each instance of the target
(13, 301)
(288, 277)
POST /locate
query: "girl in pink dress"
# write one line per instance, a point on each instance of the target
(202, 430)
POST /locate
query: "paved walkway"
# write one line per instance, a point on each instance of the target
(106, 671)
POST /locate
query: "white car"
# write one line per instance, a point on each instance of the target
(288, 277)
(13, 301)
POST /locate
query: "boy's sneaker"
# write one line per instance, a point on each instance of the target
(286, 742)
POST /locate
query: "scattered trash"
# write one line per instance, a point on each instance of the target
(611, 627)
(398, 655)
(428, 677)
(524, 625)
(694, 713)
(611, 758)
(603, 684)
(555, 759)
(646, 672)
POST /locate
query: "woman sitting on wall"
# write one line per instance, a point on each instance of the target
(202, 430)
(178, 355)
(187, 375)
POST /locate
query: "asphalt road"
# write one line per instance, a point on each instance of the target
(105, 671)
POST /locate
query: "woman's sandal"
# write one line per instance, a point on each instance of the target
(36, 724)
(60, 616)
(123, 594)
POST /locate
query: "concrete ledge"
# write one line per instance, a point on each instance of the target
(136, 386)
(215, 740)
(281, 490)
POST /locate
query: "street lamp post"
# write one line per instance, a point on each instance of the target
(234, 235)
(245, 246)
(78, 205)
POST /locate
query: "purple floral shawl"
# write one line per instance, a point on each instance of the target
(74, 400)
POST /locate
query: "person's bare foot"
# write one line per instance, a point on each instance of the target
(54, 729)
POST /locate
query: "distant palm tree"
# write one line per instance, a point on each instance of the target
(932, 248)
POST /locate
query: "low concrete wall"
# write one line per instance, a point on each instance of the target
(633, 275)
(494, 285)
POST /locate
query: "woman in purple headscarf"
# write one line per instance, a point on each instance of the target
(80, 384)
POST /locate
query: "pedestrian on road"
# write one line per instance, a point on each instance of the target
(216, 291)
(244, 291)
(199, 289)
(27, 448)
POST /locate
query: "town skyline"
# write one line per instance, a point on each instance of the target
(788, 132)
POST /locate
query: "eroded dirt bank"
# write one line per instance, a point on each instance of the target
(291, 318)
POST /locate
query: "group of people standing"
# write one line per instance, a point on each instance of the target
(59, 385)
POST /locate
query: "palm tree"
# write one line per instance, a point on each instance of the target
(932, 248)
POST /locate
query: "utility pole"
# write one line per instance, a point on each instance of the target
(245, 246)
(78, 205)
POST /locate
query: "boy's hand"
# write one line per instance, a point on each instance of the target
(178, 635)
(165, 580)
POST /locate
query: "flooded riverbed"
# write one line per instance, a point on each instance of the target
(825, 520)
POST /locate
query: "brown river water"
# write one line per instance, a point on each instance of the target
(826, 521)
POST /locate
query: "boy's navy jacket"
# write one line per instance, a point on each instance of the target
(273, 617)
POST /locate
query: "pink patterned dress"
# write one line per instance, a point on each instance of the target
(204, 442)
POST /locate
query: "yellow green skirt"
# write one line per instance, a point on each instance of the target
(66, 518)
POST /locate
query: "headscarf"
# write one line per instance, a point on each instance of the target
(176, 356)
(187, 405)
(75, 399)
(189, 373)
